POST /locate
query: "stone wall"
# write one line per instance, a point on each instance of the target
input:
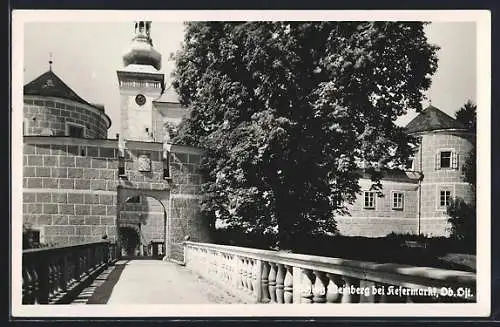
(185, 218)
(70, 187)
(381, 220)
(433, 217)
(69, 190)
(42, 113)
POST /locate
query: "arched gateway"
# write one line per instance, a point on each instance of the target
(130, 238)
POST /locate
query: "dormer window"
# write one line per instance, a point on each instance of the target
(75, 130)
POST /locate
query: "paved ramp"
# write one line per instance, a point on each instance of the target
(159, 282)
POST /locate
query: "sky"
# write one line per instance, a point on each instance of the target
(86, 56)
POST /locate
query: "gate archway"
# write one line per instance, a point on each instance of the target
(154, 247)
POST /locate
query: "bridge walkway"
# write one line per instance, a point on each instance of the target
(148, 281)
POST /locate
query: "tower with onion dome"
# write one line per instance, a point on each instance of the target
(140, 84)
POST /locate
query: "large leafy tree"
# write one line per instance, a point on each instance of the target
(287, 110)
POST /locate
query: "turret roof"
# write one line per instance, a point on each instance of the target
(430, 119)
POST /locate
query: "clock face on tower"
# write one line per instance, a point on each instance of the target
(140, 99)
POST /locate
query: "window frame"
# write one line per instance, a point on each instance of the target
(393, 194)
(373, 206)
(454, 159)
(441, 189)
(448, 157)
(69, 123)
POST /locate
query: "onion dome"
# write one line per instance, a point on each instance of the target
(141, 51)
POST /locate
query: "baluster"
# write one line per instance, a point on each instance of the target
(280, 279)
(319, 289)
(27, 286)
(243, 273)
(36, 284)
(223, 270)
(349, 296)
(243, 268)
(306, 287)
(229, 260)
(249, 271)
(43, 279)
(265, 282)
(381, 297)
(272, 282)
(257, 288)
(229, 268)
(288, 285)
(57, 276)
(77, 263)
(332, 289)
(64, 279)
(50, 280)
(367, 295)
(81, 265)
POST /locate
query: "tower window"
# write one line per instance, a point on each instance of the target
(444, 199)
(75, 130)
(121, 166)
(166, 166)
(446, 159)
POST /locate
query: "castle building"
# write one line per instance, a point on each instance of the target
(80, 186)
(141, 190)
(414, 201)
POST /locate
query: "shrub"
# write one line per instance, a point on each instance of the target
(463, 222)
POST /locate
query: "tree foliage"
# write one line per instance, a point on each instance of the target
(287, 110)
(463, 214)
(467, 116)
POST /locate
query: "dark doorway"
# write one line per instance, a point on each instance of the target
(129, 240)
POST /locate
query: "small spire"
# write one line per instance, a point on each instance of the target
(50, 61)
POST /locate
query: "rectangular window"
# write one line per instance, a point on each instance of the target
(444, 198)
(397, 200)
(121, 166)
(369, 200)
(134, 199)
(75, 130)
(447, 159)
(410, 164)
(166, 166)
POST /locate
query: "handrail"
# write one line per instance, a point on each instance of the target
(327, 275)
(58, 274)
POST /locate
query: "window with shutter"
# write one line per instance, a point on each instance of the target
(454, 160)
(446, 159)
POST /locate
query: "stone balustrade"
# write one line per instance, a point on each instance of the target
(261, 276)
(58, 274)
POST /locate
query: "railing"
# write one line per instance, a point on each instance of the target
(58, 274)
(260, 276)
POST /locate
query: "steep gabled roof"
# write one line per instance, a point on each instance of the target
(431, 119)
(49, 84)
